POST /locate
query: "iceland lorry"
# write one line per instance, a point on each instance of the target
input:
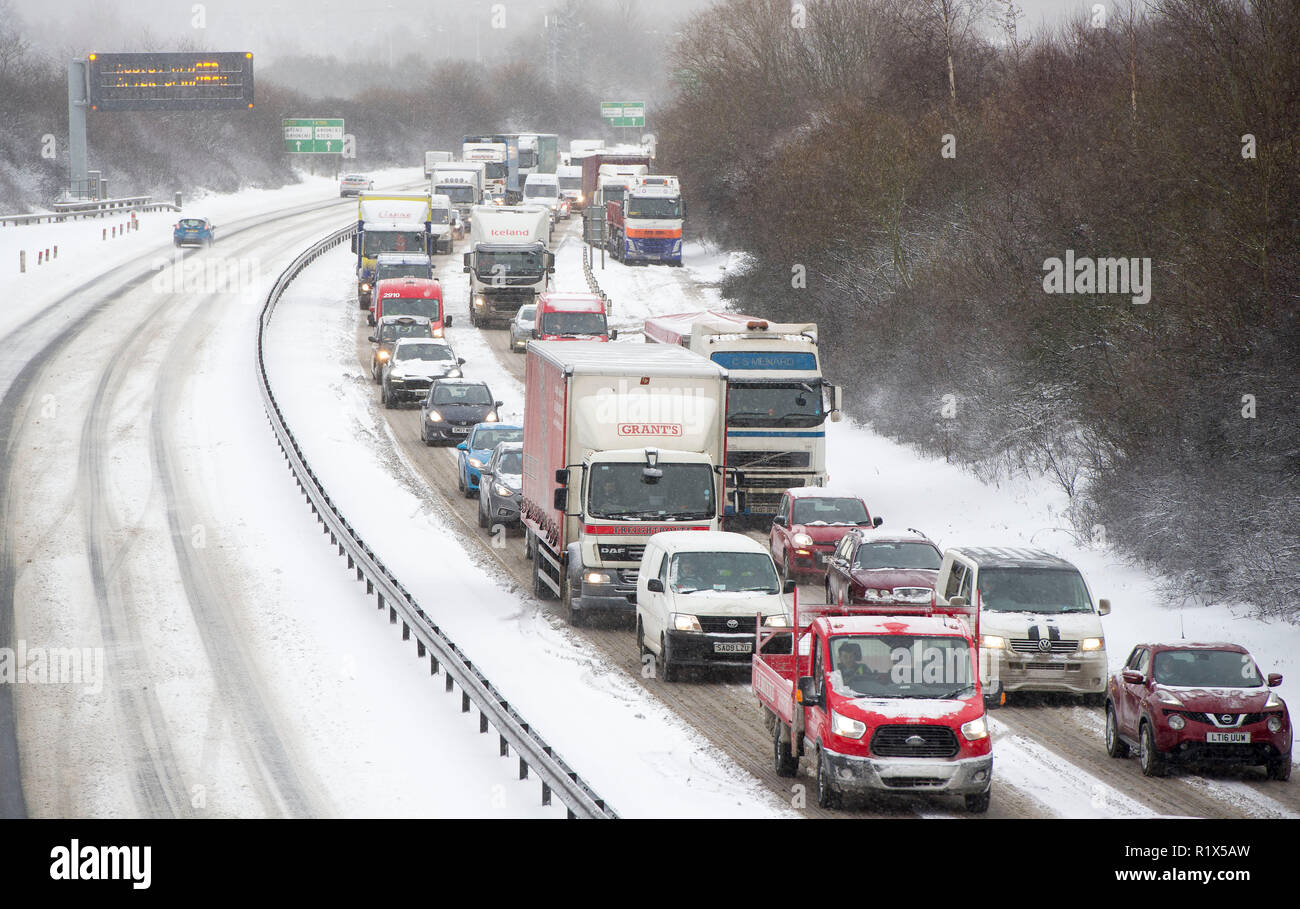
(620, 442)
(778, 401)
(508, 261)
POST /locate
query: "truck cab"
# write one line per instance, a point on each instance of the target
(389, 224)
(645, 223)
(882, 704)
(508, 261)
(573, 317)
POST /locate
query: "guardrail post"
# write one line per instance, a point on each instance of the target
(482, 722)
(523, 769)
(22, 261)
(546, 794)
(505, 746)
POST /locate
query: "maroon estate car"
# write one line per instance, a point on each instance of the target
(876, 567)
(809, 522)
(1197, 703)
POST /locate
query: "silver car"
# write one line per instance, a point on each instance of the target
(500, 485)
(521, 327)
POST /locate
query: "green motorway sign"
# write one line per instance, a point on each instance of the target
(313, 136)
(623, 113)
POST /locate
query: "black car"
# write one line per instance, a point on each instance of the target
(416, 364)
(501, 484)
(452, 407)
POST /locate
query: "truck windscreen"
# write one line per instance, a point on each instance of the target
(496, 170)
(461, 193)
(571, 183)
(774, 404)
(378, 241)
(420, 307)
(684, 492)
(654, 208)
(900, 666)
(573, 323)
(511, 262)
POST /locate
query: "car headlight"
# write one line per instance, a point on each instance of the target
(501, 490)
(436, 333)
(777, 620)
(1167, 697)
(1177, 722)
(975, 730)
(382, 355)
(1274, 723)
(491, 418)
(684, 622)
(365, 287)
(435, 417)
(1092, 644)
(1273, 700)
(847, 727)
(993, 642)
(802, 539)
(478, 301)
(475, 463)
(591, 577)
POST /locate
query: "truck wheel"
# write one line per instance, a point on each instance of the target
(1115, 746)
(827, 795)
(978, 804)
(575, 616)
(667, 670)
(785, 762)
(1152, 761)
(1280, 769)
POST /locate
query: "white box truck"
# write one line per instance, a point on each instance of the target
(389, 224)
(620, 442)
(434, 157)
(778, 403)
(508, 261)
(460, 181)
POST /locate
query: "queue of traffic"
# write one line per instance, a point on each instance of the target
(632, 460)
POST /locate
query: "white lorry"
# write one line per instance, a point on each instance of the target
(389, 224)
(620, 442)
(543, 189)
(434, 157)
(508, 261)
(462, 182)
(494, 156)
(778, 400)
(443, 219)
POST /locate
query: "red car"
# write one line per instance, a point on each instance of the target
(1197, 703)
(874, 567)
(809, 524)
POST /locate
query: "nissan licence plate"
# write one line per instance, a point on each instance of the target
(1228, 738)
(738, 647)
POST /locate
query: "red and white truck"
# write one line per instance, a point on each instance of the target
(621, 441)
(635, 166)
(881, 703)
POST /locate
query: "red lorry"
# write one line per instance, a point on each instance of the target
(591, 170)
(882, 704)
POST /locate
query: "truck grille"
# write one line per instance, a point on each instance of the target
(911, 782)
(620, 552)
(758, 481)
(763, 502)
(626, 583)
(1026, 645)
(718, 624)
(771, 460)
(914, 741)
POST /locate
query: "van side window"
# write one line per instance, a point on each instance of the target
(954, 580)
(663, 569)
(965, 589)
(817, 672)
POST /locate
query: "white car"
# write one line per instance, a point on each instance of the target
(355, 185)
(699, 594)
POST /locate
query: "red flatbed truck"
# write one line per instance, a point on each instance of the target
(881, 703)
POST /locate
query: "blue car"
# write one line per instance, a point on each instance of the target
(474, 452)
(192, 232)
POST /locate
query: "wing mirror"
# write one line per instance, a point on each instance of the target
(807, 693)
(788, 586)
(957, 602)
(876, 522)
(463, 446)
(446, 320)
(373, 340)
(1274, 679)
(560, 499)
(460, 361)
(1103, 607)
(654, 585)
(1133, 677)
(779, 521)
(613, 334)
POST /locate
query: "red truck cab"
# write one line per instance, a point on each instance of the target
(882, 703)
(420, 298)
(571, 317)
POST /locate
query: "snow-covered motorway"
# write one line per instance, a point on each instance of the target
(147, 512)
(1049, 758)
